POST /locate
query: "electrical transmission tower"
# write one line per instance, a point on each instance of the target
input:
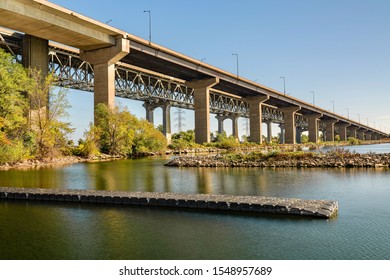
(246, 126)
(180, 119)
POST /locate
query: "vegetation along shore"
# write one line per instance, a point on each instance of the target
(335, 158)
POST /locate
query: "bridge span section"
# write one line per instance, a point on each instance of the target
(111, 62)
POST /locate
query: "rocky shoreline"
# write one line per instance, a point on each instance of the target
(53, 161)
(295, 160)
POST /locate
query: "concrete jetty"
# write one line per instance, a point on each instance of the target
(256, 204)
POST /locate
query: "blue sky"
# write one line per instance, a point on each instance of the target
(338, 49)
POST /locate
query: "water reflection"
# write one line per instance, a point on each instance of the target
(39, 230)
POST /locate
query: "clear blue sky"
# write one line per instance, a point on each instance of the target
(337, 48)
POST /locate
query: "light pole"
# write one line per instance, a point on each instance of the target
(333, 105)
(347, 112)
(313, 97)
(150, 25)
(284, 85)
(358, 117)
(236, 55)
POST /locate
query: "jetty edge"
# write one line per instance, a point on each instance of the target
(255, 204)
(329, 159)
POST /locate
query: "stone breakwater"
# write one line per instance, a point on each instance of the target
(329, 160)
(253, 204)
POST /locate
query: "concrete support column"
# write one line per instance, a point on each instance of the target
(352, 131)
(299, 135)
(360, 134)
(149, 108)
(269, 131)
(329, 136)
(103, 61)
(289, 123)
(313, 127)
(255, 117)
(282, 140)
(343, 131)
(221, 119)
(166, 108)
(36, 53)
(234, 119)
(202, 108)
(368, 136)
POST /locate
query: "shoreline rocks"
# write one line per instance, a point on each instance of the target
(295, 160)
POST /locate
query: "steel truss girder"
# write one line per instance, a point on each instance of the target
(71, 72)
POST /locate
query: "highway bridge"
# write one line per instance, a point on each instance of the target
(89, 55)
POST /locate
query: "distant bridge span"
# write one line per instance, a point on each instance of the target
(117, 63)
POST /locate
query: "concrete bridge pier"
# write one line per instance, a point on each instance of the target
(35, 56)
(282, 132)
(221, 118)
(368, 136)
(234, 118)
(313, 127)
(352, 131)
(103, 61)
(299, 134)
(289, 123)
(35, 52)
(149, 108)
(329, 126)
(269, 131)
(255, 117)
(360, 134)
(343, 131)
(166, 108)
(202, 108)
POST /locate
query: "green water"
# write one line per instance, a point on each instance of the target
(39, 230)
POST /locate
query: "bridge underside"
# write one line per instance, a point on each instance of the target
(160, 82)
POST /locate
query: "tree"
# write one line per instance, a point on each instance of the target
(47, 113)
(14, 81)
(118, 132)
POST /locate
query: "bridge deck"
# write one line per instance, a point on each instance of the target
(255, 204)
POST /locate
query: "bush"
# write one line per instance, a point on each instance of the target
(118, 132)
(353, 141)
(12, 152)
(183, 140)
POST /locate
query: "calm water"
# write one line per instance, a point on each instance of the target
(37, 230)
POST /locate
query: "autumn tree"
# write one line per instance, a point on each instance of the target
(14, 81)
(48, 113)
(118, 132)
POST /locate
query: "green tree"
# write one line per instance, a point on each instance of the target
(47, 114)
(14, 81)
(118, 132)
(304, 138)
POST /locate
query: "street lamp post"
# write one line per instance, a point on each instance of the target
(313, 97)
(150, 25)
(347, 112)
(236, 55)
(284, 85)
(358, 117)
(333, 105)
